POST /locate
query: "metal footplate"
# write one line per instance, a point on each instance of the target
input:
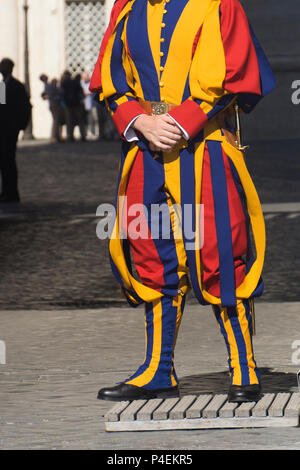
(204, 412)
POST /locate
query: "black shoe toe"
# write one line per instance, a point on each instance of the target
(244, 393)
(124, 392)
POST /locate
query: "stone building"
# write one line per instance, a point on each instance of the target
(62, 34)
(276, 25)
(66, 34)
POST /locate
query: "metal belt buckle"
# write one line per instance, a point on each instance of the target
(159, 107)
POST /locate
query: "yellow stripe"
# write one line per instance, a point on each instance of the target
(241, 311)
(149, 373)
(206, 107)
(234, 352)
(210, 59)
(154, 21)
(124, 12)
(180, 51)
(146, 336)
(177, 302)
(108, 88)
(122, 99)
(136, 82)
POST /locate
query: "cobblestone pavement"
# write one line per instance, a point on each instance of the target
(68, 333)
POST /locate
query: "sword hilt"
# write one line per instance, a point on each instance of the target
(239, 139)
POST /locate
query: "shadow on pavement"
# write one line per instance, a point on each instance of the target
(218, 382)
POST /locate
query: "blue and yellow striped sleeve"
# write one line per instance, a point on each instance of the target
(118, 94)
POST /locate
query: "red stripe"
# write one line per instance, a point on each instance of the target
(196, 40)
(145, 256)
(125, 113)
(242, 69)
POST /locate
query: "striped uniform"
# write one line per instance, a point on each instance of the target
(201, 56)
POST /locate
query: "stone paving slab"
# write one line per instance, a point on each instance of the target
(57, 361)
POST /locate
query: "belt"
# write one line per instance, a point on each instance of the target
(156, 107)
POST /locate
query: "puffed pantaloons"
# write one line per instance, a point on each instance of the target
(161, 264)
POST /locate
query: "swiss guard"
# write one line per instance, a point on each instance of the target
(175, 75)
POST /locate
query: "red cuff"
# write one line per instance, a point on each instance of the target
(125, 113)
(190, 116)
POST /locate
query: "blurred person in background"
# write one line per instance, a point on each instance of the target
(107, 129)
(14, 117)
(89, 105)
(73, 105)
(54, 94)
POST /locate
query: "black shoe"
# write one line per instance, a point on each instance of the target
(129, 392)
(242, 393)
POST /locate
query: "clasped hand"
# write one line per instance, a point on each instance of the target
(161, 131)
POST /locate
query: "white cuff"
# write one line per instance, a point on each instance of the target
(185, 134)
(129, 133)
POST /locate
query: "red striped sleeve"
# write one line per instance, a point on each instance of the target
(125, 113)
(190, 116)
(242, 69)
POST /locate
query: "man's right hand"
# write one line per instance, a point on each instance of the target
(161, 131)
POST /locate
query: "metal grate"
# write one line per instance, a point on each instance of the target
(84, 29)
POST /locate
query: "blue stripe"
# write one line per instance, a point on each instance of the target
(140, 50)
(221, 104)
(241, 345)
(113, 105)
(223, 228)
(267, 78)
(248, 101)
(187, 92)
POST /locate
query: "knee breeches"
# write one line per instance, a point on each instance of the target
(158, 252)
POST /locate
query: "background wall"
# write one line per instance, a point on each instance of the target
(46, 31)
(276, 25)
